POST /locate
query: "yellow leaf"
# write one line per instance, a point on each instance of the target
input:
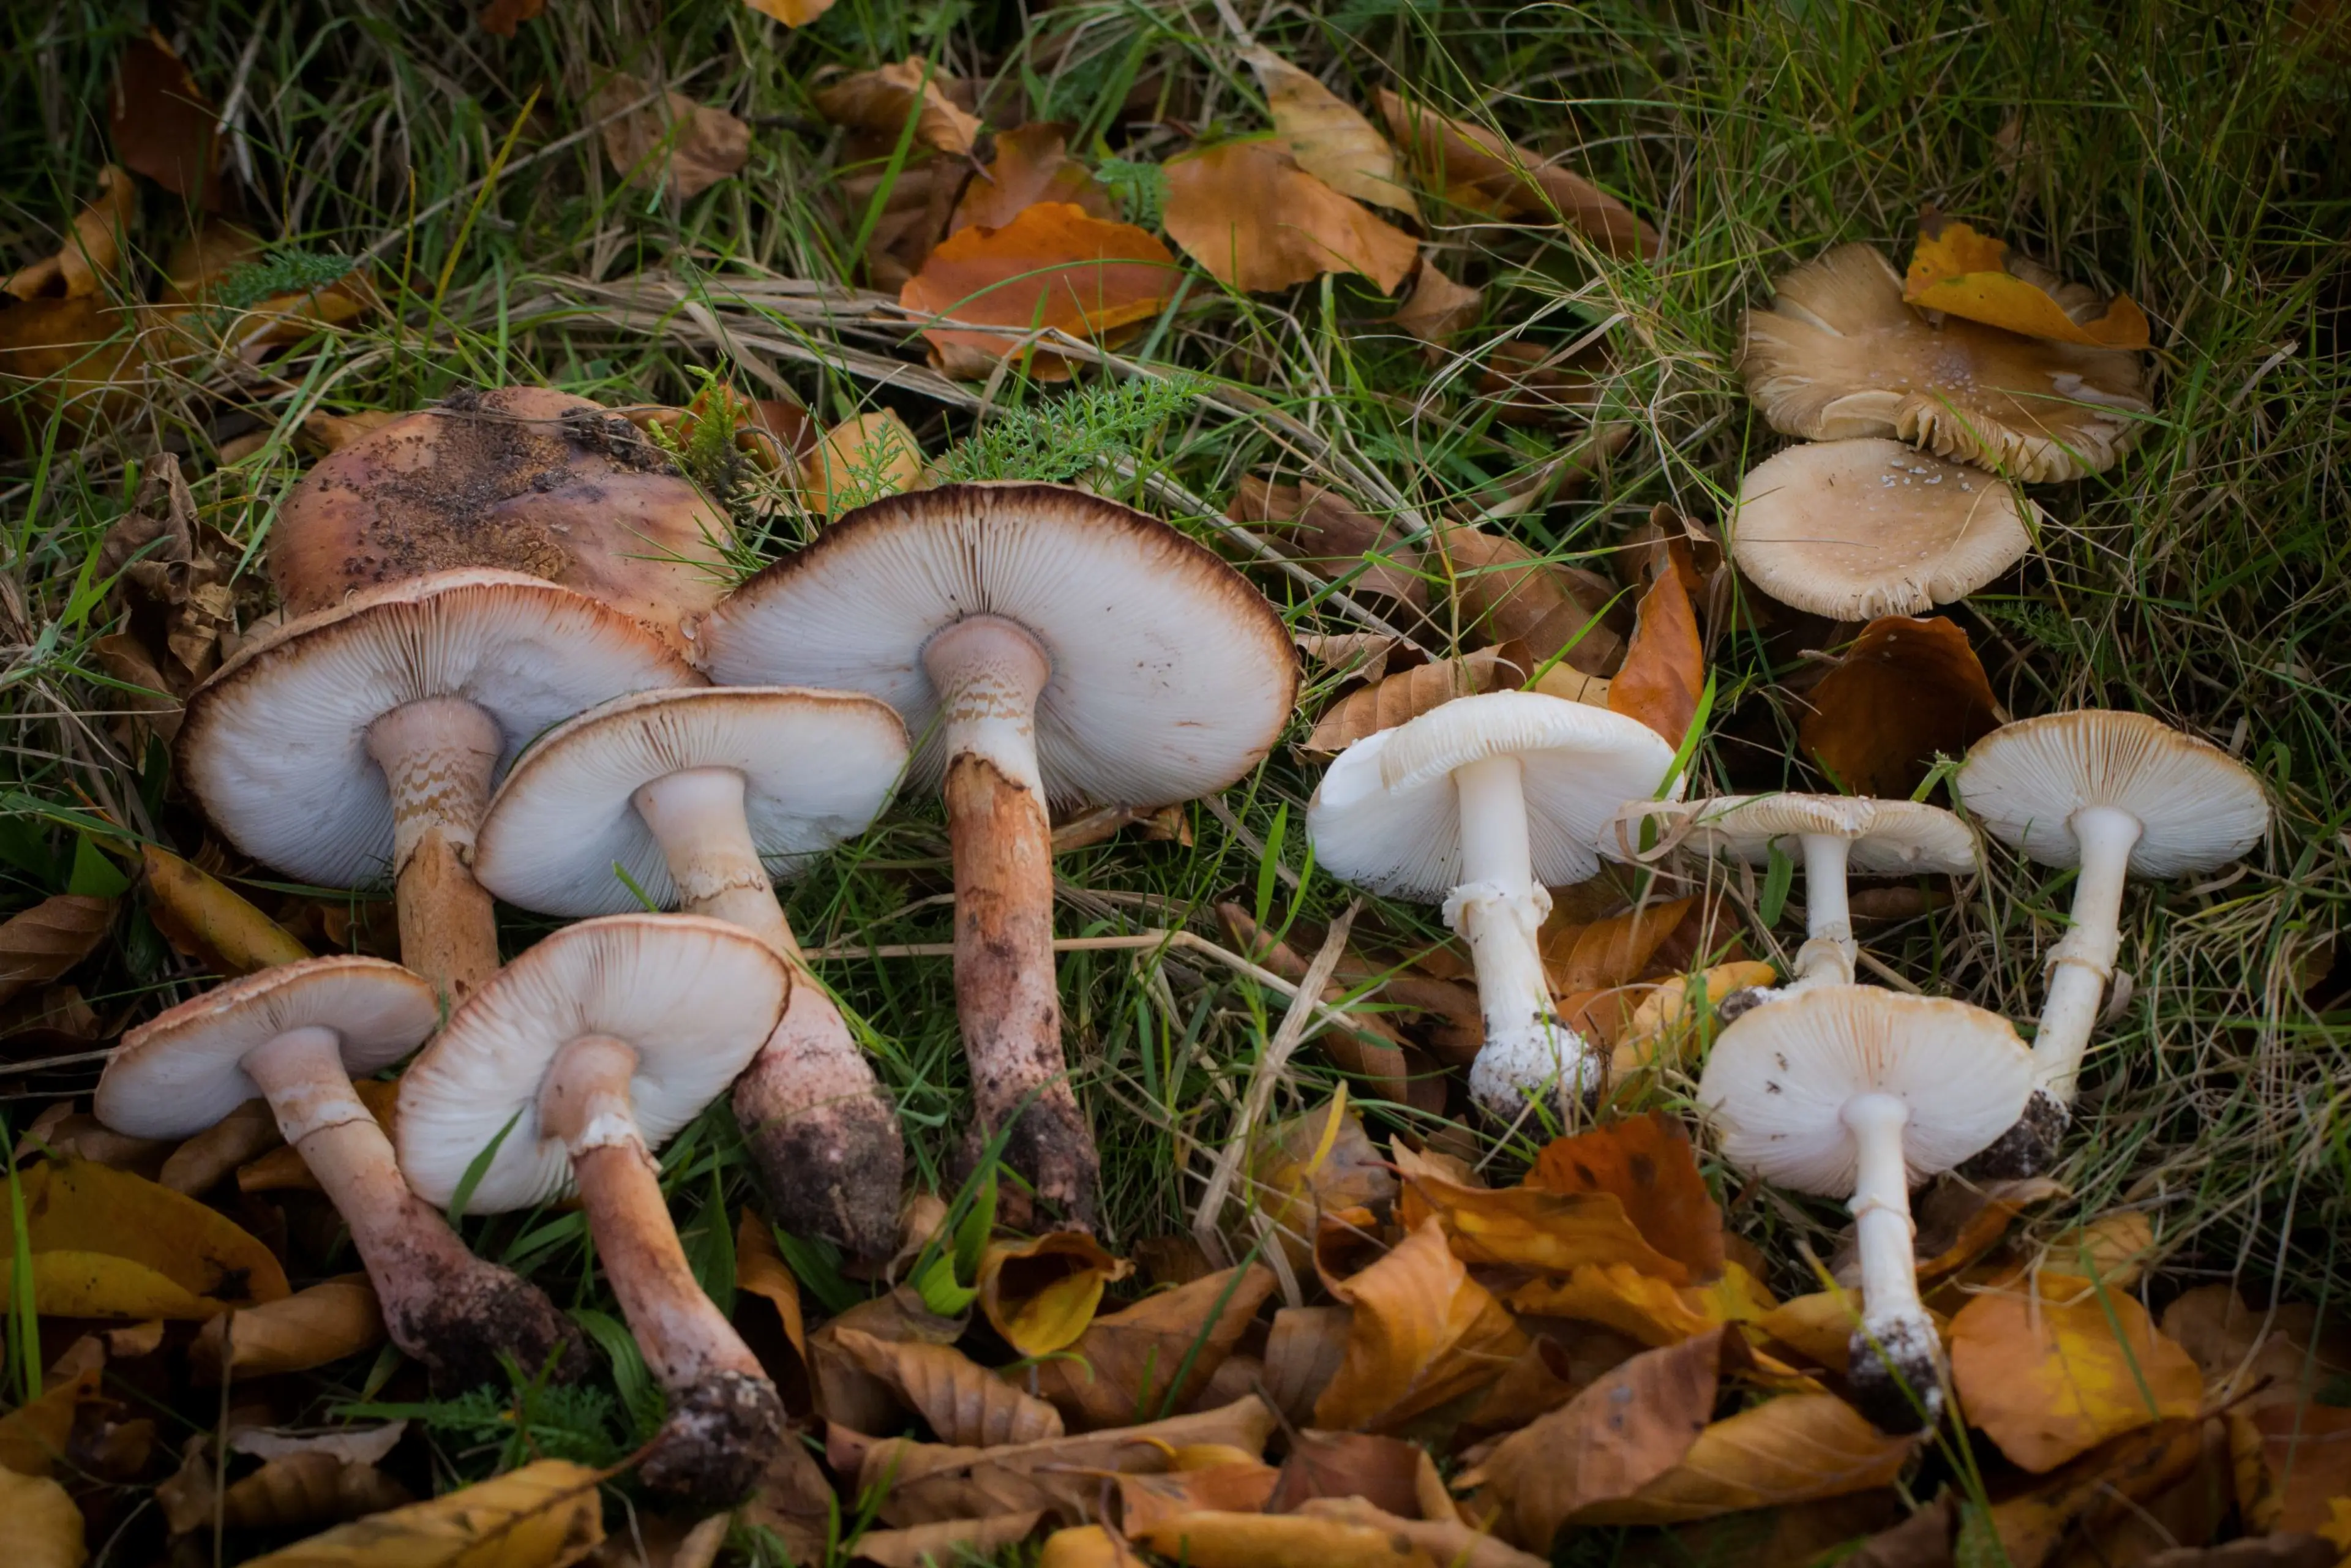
(1256, 222)
(1086, 1546)
(1040, 1294)
(108, 1244)
(950, 1541)
(331, 1320)
(791, 13)
(2052, 1376)
(44, 1526)
(1641, 1306)
(209, 917)
(760, 1268)
(859, 460)
(1527, 1228)
(1423, 1332)
(1963, 273)
(1797, 1449)
(1329, 137)
(1664, 1028)
(544, 1515)
(1279, 1541)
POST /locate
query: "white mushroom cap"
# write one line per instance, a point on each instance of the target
(274, 746)
(1385, 816)
(2197, 806)
(183, 1071)
(1840, 355)
(818, 767)
(1887, 838)
(695, 997)
(1856, 529)
(1778, 1079)
(1171, 675)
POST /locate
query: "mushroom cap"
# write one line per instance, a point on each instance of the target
(2197, 806)
(1856, 529)
(695, 997)
(1386, 816)
(1778, 1079)
(1171, 675)
(1840, 355)
(184, 1070)
(817, 766)
(1887, 838)
(522, 478)
(274, 746)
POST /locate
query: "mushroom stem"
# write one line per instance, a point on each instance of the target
(825, 1140)
(437, 756)
(988, 672)
(450, 1309)
(1826, 958)
(1499, 910)
(2083, 959)
(1894, 1367)
(724, 1414)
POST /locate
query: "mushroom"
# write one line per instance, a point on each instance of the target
(2115, 794)
(1039, 642)
(1832, 834)
(1856, 1091)
(1840, 355)
(296, 1034)
(365, 737)
(1479, 803)
(525, 479)
(570, 1068)
(696, 797)
(1856, 529)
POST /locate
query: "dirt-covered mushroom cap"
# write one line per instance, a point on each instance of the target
(183, 1071)
(1883, 838)
(525, 479)
(274, 745)
(2197, 806)
(1839, 355)
(1777, 1080)
(817, 768)
(1171, 676)
(1856, 529)
(694, 997)
(1386, 816)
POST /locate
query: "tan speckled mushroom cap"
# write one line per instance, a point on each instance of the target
(1839, 355)
(1856, 529)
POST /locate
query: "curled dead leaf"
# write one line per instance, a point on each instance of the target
(847, 1394)
(1055, 265)
(1438, 308)
(1906, 691)
(880, 100)
(201, 1162)
(1385, 1471)
(1157, 1355)
(1406, 696)
(546, 1514)
(93, 249)
(1478, 169)
(672, 141)
(965, 1403)
(1321, 530)
(1040, 1294)
(1256, 222)
(328, 1322)
(1963, 273)
(1649, 1165)
(1799, 1448)
(1530, 1228)
(1422, 1333)
(206, 918)
(949, 1541)
(1664, 665)
(1032, 164)
(1329, 137)
(1242, 1487)
(40, 943)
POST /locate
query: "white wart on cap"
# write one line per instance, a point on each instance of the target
(1171, 676)
(817, 766)
(1839, 355)
(1856, 529)
(274, 745)
(694, 997)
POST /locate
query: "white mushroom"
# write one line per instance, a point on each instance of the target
(699, 796)
(2115, 794)
(1479, 803)
(1858, 1093)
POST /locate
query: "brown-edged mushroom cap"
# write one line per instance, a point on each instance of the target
(1856, 529)
(520, 478)
(1839, 355)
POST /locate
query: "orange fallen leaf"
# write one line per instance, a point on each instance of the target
(1053, 266)
(1040, 1294)
(1259, 223)
(1032, 164)
(1329, 137)
(880, 100)
(1240, 1487)
(1963, 273)
(1613, 951)
(162, 124)
(791, 13)
(1478, 169)
(1510, 593)
(1648, 1166)
(860, 459)
(672, 141)
(1423, 1332)
(1211, 1539)
(503, 18)
(1383, 1470)
(1960, 1221)
(93, 250)
(2292, 1461)
(1906, 691)
(1799, 1448)
(1438, 308)
(1527, 1228)
(1664, 665)
(2051, 1376)
(1663, 1030)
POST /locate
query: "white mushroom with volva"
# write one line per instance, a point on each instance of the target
(575, 1063)
(2115, 795)
(1042, 644)
(1478, 804)
(1861, 1094)
(697, 798)
(296, 1034)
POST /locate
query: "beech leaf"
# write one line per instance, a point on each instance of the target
(1259, 223)
(880, 100)
(1392, 700)
(1665, 663)
(1053, 266)
(1303, 1351)
(791, 13)
(1478, 169)
(108, 1244)
(1907, 690)
(1963, 273)
(1125, 1366)
(328, 1322)
(1422, 1333)
(45, 1527)
(860, 459)
(1032, 164)
(672, 140)
(949, 1541)
(963, 1402)
(1438, 308)
(162, 123)
(1040, 1294)
(42, 942)
(1511, 595)
(1648, 1163)
(544, 1515)
(212, 920)
(1529, 1228)
(1799, 1448)
(1329, 137)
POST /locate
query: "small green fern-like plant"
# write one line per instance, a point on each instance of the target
(1070, 436)
(288, 269)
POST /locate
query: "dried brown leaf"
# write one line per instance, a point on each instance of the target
(1906, 691)
(1423, 1332)
(1256, 222)
(1528, 1228)
(162, 124)
(1664, 665)
(1239, 1488)
(880, 100)
(93, 250)
(42, 942)
(1388, 702)
(201, 1162)
(1383, 1471)
(1329, 137)
(2049, 1376)
(1478, 169)
(544, 1515)
(1157, 1355)
(1447, 1540)
(1648, 1164)
(965, 1403)
(1319, 528)
(1303, 1351)
(330, 1321)
(1796, 1448)
(947, 1541)
(1053, 266)
(1438, 308)
(672, 141)
(1032, 164)
(1511, 595)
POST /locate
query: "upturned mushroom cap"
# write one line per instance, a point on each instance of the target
(1839, 355)
(695, 998)
(818, 767)
(2197, 806)
(183, 1071)
(1856, 529)
(1385, 816)
(1887, 838)
(1171, 675)
(525, 479)
(274, 746)
(1777, 1080)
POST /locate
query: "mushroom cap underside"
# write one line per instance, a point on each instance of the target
(1885, 837)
